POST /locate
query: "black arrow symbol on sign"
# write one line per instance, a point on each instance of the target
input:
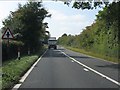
(8, 34)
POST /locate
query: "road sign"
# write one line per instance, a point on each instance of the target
(8, 34)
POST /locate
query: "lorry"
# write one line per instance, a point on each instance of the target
(52, 43)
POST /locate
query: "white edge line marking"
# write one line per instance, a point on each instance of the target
(16, 86)
(27, 73)
(108, 78)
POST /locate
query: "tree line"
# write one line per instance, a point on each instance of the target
(102, 37)
(26, 24)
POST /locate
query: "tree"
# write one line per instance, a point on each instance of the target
(27, 21)
(87, 4)
(102, 37)
(64, 35)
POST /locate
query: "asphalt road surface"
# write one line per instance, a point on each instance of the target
(63, 68)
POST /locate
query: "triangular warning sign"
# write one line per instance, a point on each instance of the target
(8, 34)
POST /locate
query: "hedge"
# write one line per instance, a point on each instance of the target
(11, 50)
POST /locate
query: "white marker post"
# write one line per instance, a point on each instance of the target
(28, 51)
(18, 53)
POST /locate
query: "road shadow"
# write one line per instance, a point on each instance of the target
(54, 53)
(114, 66)
(57, 53)
(80, 57)
(60, 49)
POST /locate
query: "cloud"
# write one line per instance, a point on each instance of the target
(7, 6)
(61, 22)
(62, 17)
(67, 20)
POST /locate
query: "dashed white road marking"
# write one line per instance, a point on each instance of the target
(89, 68)
(26, 74)
(85, 69)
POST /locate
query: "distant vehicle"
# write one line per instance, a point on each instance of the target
(52, 43)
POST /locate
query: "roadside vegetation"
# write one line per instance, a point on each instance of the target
(14, 69)
(29, 31)
(0, 78)
(101, 39)
(93, 54)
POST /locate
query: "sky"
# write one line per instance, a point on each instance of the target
(65, 19)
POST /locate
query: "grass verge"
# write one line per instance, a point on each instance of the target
(0, 78)
(14, 69)
(94, 54)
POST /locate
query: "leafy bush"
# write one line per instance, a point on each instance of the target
(10, 51)
(102, 37)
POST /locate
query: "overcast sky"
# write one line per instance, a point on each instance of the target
(64, 19)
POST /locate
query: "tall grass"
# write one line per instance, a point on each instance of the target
(14, 69)
(94, 54)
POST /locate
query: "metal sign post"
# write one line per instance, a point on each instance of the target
(8, 38)
(7, 35)
(8, 48)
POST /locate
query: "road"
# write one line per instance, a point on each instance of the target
(63, 68)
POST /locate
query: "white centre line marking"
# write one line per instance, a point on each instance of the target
(89, 68)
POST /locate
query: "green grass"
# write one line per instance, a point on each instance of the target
(0, 79)
(94, 54)
(14, 69)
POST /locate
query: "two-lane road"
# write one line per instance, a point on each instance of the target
(63, 68)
